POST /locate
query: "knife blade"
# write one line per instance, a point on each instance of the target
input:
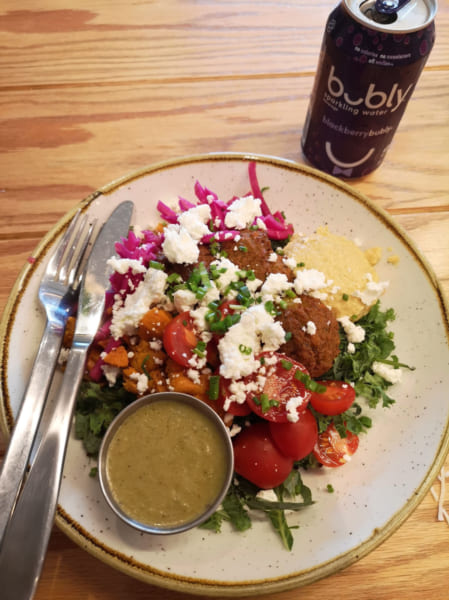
(26, 537)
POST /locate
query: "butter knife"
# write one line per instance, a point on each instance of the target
(26, 537)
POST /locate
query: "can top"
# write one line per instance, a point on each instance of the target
(413, 16)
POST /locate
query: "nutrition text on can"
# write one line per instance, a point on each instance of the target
(369, 65)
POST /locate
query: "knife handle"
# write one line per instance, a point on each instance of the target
(26, 537)
(17, 456)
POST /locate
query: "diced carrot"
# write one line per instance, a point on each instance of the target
(179, 381)
(153, 323)
(118, 357)
(144, 358)
(129, 383)
(156, 381)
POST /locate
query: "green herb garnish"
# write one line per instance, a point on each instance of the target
(214, 387)
(309, 383)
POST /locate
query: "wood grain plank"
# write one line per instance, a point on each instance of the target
(54, 43)
(56, 152)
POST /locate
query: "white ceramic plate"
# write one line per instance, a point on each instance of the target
(397, 460)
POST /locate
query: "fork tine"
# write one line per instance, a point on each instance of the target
(57, 256)
(68, 256)
(74, 277)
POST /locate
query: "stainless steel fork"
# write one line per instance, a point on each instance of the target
(57, 293)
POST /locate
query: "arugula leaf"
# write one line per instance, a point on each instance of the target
(279, 522)
(96, 408)
(234, 508)
(214, 521)
(294, 486)
(352, 420)
(356, 367)
(242, 495)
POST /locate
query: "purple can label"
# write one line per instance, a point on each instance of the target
(364, 81)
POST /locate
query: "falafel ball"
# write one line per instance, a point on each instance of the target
(315, 339)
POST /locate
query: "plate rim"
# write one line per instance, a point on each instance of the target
(149, 574)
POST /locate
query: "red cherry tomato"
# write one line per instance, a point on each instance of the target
(236, 409)
(258, 459)
(281, 385)
(331, 450)
(180, 339)
(296, 440)
(337, 398)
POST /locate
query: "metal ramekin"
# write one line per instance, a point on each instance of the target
(112, 429)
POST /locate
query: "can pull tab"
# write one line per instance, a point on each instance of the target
(388, 7)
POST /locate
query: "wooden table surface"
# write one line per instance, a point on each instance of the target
(90, 90)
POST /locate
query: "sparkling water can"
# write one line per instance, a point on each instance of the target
(370, 62)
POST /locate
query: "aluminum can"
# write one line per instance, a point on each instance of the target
(366, 75)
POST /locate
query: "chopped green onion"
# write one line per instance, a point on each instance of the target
(270, 308)
(265, 403)
(174, 278)
(200, 348)
(143, 367)
(245, 349)
(239, 307)
(200, 293)
(288, 336)
(286, 364)
(154, 264)
(309, 383)
(212, 316)
(214, 248)
(214, 304)
(223, 325)
(345, 297)
(214, 387)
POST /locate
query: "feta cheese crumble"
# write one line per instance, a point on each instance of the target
(179, 246)
(355, 333)
(292, 408)
(256, 329)
(309, 280)
(373, 290)
(126, 316)
(194, 221)
(388, 372)
(123, 265)
(242, 212)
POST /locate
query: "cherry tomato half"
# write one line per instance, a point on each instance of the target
(258, 459)
(296, 440)
(337, 398)
(180, 339)
(281, 385)
(331, 450)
